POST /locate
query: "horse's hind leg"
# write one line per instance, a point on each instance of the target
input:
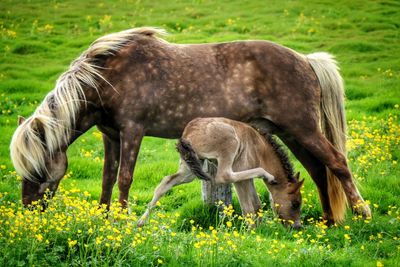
(184, 175)
(317, 171)
(323, 150)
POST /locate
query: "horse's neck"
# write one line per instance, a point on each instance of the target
(86, 118)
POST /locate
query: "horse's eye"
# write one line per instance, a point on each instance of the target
(295, 205)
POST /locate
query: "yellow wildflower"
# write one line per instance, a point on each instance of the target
(39, 237)
(72, 243)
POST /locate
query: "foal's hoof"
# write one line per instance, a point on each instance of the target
(272, 180)
(141, 223)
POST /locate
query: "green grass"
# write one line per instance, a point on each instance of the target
(38, 40)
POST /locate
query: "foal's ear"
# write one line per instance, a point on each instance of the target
(300, 184)
(295, 187)
(20, 120)
(297, 176)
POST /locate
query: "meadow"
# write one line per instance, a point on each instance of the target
(39, 39)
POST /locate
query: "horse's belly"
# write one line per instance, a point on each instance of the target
(170, 123)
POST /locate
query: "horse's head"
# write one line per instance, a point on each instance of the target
(41, 169)
(286, 201)
(34, 190)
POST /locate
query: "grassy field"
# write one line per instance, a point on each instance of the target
(38, 40)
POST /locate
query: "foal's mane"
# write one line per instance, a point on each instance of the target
(282, 155)
(50, 126)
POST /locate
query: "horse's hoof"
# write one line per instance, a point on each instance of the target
(328, 221)
(366, 211)
(362, 209)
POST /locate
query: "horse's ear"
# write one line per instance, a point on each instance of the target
(20, 120)
(297, 176)
(37, 125)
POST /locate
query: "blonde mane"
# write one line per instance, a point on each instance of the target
(56, 115)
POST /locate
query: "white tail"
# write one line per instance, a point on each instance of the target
(333, 122)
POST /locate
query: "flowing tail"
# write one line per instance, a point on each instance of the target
(333, 122)
(192, 160)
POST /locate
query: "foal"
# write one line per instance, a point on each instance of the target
(242, 154)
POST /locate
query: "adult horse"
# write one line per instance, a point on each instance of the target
(133, 83)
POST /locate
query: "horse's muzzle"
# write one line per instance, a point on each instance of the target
(297, 225)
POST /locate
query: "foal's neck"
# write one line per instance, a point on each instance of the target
(272, 163)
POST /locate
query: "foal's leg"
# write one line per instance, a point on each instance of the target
(182, 176)
(225, 174)
(248, 197)
(130, 137)
(110, 169)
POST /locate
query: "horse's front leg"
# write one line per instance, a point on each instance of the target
(110, 169)
(130, 140)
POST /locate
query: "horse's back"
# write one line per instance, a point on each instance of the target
(209, 59)
(164, 85)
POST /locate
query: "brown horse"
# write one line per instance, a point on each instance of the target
(132, 84)
(242, 154)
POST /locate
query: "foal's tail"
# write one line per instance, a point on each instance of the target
(333, 122)
(192, 160)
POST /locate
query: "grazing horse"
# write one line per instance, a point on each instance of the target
(134, 83)
(242, 154)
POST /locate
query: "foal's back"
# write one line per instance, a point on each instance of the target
(215, 137)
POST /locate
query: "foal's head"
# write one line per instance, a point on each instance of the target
(286, 201)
